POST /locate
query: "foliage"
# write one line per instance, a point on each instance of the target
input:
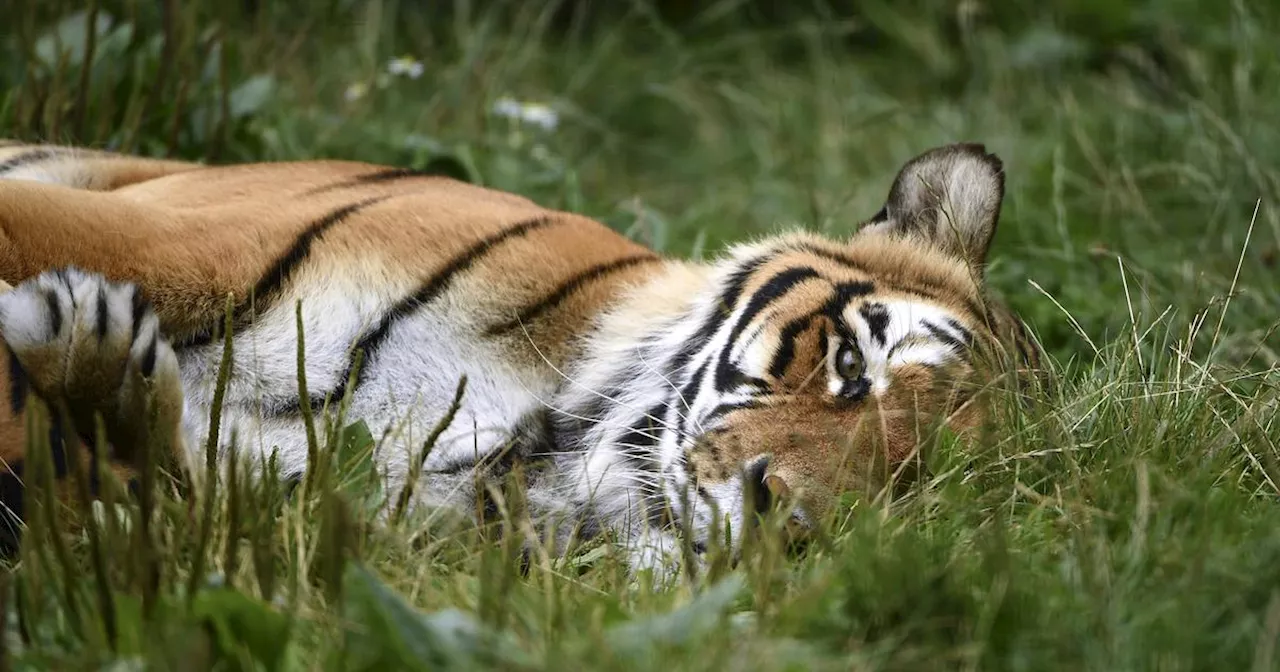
(1130, 524)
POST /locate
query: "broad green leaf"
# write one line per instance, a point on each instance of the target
(68, 38)
(251, 95)
(386, 633)
(694, 620)
(243, 626)
(357, 475)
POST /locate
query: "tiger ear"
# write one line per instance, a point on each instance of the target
(948, 197)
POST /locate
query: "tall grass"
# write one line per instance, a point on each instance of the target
(1130, 524)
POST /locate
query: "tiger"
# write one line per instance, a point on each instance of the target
(670, 401)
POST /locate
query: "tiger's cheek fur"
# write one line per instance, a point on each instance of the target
(817, 448)
(816, 453)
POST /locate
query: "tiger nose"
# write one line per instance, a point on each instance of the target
(766, 488)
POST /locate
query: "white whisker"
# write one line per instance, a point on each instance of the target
(690, 419)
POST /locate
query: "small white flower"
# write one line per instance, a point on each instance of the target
(536, 114)
(541, 115)
(355, 92)
(406, 66)
(506, 107)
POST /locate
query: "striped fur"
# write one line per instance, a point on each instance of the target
(666, 395)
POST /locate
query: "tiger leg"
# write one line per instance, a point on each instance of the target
(89, 348)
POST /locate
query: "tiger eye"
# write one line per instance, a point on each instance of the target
(848, 363)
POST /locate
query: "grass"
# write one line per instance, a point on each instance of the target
(1131, 525)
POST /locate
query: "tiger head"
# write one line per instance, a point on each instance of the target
(807, 368)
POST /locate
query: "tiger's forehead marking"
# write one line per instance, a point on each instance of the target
(789, 279)
(786, 260)
(896, 268)
(903, 334)
(888, 333)
(797, 315)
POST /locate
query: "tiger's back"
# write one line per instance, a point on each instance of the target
(294, 230)
(429, 278)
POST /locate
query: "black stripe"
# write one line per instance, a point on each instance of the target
(575, 422)
(727, 408)
(942, 335)
(287, 263)
(756, 491)
(19, 386)
(705, 496)
(925, 289)
(290, 483)
(877, 317)
(725, 304)
(786, 344)
(390, 175)
(965, 334)
(428, 292)
(550, 301)
(102, 312)
(901, 343)
(140, 306)
(12, 513)
(772, 290)
(845, 293)
(724, 307)
(641, 437)
(466, 463)
(377, 177)
(148, 364)
(726, 375)
(55, 313)
(682, 410)
(690, 389)
(281, 269)
(842, 295)
(27, 158)
(644, 433)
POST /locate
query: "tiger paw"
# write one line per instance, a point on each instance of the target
(96, 346)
